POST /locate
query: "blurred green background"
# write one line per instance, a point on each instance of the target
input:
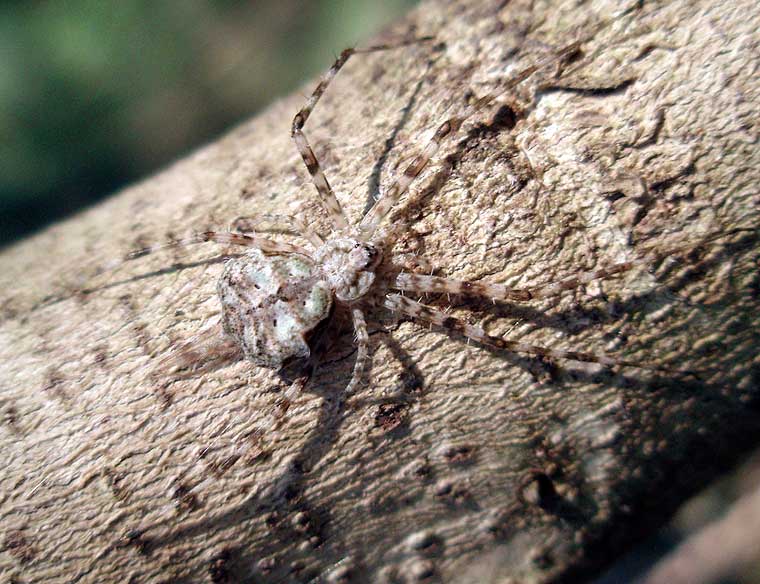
(95, 94)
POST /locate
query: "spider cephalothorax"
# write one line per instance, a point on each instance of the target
(348, 266)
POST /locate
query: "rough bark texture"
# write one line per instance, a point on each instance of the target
(453, 463)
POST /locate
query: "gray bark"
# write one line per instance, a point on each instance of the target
(723, 550)
(453, 463)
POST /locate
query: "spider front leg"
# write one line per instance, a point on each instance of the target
(447, 129)
(421, 284)
(420, 312)
(326, 194)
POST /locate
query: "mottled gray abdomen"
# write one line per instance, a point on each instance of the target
(271, 304)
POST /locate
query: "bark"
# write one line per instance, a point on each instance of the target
(724, 550)
(453, 463)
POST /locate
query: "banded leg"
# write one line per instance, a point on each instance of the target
(326, 194)
(278, 415)
(422, 313)
(491, 291)
(272, 223)
(449, 128)
(362, 353)
(224, 238)
(205, 351)
(421, 284)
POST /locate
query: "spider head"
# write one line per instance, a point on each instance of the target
(348, 266)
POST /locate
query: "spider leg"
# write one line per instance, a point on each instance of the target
(434, 284)
(205, 351)
(362, 354)
(272, 223)
(224, 238)
(426, 314)
(326, 194)
(422, 284)
(278, 415)
(412, 261)
(449, 128)
(491, 291)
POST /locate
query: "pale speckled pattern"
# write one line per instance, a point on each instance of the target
(271, 304)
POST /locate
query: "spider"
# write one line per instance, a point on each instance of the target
(280, 301)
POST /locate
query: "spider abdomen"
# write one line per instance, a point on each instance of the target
(272, 304)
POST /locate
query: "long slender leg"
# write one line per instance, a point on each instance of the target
(267, 246)
(417, 283)
(272, 223)
(420, 312)
(278, 415)
(326, 194)
(205, 351)
(389, 198)
(224, 238)
(491, 291)
(362, 353)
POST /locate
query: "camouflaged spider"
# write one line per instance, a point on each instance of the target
(278, 298)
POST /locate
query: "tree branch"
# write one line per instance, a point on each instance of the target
(454, 462)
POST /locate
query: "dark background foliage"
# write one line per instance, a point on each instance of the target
(95, 94)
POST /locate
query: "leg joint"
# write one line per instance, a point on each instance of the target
(298, 122)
